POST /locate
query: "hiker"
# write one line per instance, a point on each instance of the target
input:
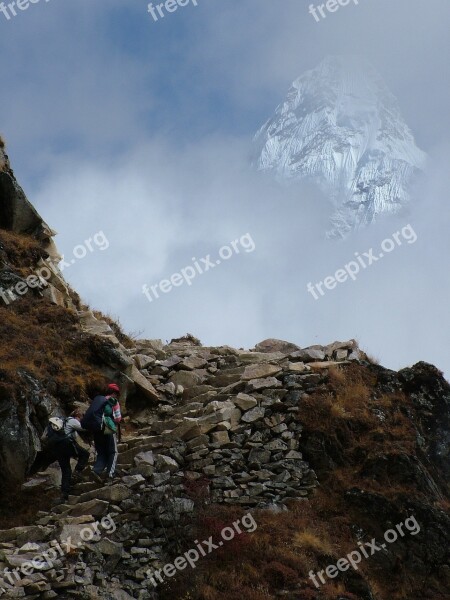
(61, 439)
(102, 419)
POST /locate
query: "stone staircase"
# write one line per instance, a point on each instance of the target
(134, 537)
(228, 420)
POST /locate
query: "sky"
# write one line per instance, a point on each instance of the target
(140, 131)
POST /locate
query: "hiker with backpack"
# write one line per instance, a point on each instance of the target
(103, 419)
(61, 442)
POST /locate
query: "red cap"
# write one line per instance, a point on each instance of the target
(113, 387)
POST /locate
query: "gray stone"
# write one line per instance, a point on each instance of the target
(259, 455)
(166, 463)
(274, 345)
(309, 354)
(96, 508)
(142, 361)
(294, 455)
(187, 379)
(259, 371)
(276, 445)
(146, 458)
(192, 362)
(297, 367)
(133, 481)
(244, 401)
(114, 493)
(220, 437)
(260, 384)
(254, 414)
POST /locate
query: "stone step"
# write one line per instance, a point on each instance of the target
(127, 458)
(148, 435)
(138, 442)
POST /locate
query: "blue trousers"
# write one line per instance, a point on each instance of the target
(107, 453)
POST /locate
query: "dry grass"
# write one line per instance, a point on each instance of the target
(45, 341)
(21, 252)
(308, 540)
(277, 555)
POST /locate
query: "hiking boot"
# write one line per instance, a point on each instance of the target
(62, 500)
(95, 477)
(77, 477)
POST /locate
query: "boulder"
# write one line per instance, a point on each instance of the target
(259, 456)
(318, 366)
(95, 508)
(220, 437)
(78, 533)
(260, 384)
(244, 401)
(297, 367)
(94, 326)
(187, 379)
(259, 371)
(309, 354)
(254, 414)
(144, 458)
(114, 493)
(333, 348)
(251, 357)
(142, 384)
(166, 463)
(143, 361)
(133, 481)
(171, 362)
(187, 430)
(274, 345)
(192, 362)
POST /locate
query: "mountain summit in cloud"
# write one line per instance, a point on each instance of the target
(342, 127)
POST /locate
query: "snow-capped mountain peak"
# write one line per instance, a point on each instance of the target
(341, 126)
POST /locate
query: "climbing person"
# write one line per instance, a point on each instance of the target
(62, 445)
(103, 418)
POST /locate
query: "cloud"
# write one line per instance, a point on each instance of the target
(157, 224)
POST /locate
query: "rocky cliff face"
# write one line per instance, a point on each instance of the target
(326, 449)
(53, 350)
(341, 127)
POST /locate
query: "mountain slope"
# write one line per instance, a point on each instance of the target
(341, 127)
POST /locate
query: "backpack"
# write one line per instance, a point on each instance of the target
(93, 418)
(108, 425)
(55, 433)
